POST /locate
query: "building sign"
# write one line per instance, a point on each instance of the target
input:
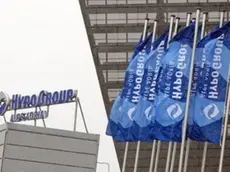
(18, 117)
(44, 98)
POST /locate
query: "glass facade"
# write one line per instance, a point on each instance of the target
(116, 25)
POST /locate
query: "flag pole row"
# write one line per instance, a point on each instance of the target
(138, 143)
(185, 142)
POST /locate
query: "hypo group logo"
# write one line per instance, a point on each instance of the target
(148, 113)
(174, 111)
(131, 113)
(44, 98)
(211, 111)
(4, 102)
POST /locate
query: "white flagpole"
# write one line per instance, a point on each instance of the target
(185, 121)
(225, 130)
(175, 143)
(154, 31)
(154, 142)
(221, 18)
(125, 156)
(157, 156)
(127, 143)
(139, 143)
(189, 141)
(159, 142)
(170, 143)
(189, 15)
(176, 26)
(152, 156)
(206, 143)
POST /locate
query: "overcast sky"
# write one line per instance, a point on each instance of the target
(44, 46)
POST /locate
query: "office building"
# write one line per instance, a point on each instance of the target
(113, 28)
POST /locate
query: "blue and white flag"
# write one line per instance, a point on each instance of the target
(197, 72)
(144, 118)
(170, 101)
(113, 128)
(209, 102)
(199, 61)
(135, 73)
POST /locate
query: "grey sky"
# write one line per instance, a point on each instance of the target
(44, 46)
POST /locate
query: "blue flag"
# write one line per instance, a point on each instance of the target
(144, 118)
(170, 101)
(200, 59)
(135, 73)
(143, 44)
(137, 48)
(209, 101)
(113, 128)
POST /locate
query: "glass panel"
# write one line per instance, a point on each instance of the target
(104, 74)
(136, 1)
(116, 18)
(152, 17)
(193, 1)
(136, 17)
(175, 1)
(217, 1)
(130, 54)
(152, 1)
(117, 57)
(213, 16)
(116, 1)
(99, 38)
(116, 75)
(182, 15)
(116, 37)
(97, 19)
(113, 93)
(102, 57)
(96, 2)
(228, 129)
(134, 37)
